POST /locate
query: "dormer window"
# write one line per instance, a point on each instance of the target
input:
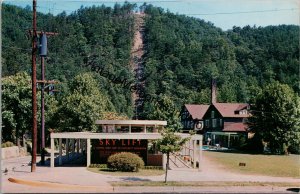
(243, 112)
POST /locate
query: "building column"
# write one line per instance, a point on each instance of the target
(52, 153)
(88, 153)
(81, 145)
(145, 129)
(73, 146)
(185, 152)
(229, 140)
(60, 152)
(67, 148)
(78, 145)
(194, 153)
(129, 128)
(200, 154)
(190, 148)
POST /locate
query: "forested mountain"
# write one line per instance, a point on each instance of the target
(182, 54)
(98, 35)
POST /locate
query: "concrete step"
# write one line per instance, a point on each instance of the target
(177, 163)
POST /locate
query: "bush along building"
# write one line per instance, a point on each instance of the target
(222, 124)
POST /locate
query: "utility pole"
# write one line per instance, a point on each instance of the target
(34, 103)
(43, 112)
(34, 33)
(43, 54)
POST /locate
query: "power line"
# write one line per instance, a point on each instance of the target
(56, 9)
(191, 14)
(101, 2)
(18, 48)
(243, 12)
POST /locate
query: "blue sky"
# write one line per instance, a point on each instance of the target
(222, 13)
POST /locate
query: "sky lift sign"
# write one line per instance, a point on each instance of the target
(103, 148)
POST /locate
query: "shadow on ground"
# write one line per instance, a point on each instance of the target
(73, 160)
(133, 179)
(296, 190)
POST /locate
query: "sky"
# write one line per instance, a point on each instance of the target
(222, 13)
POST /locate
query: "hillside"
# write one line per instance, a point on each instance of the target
(101, 36)
(184, 53)
(180, 55)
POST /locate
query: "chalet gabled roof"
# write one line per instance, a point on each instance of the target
(229, 109)
(234, 127)
(197, 111)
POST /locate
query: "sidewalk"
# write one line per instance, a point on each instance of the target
(82, 180)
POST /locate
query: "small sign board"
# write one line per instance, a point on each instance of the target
(103, 148)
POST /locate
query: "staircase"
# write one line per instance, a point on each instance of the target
(136, 63)
(176, 163)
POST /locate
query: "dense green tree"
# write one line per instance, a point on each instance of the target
(163, 109)
(98, 35)
(16, 106)
(276, 117)
(83, 105)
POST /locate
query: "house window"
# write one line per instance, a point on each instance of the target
(214, 123)
(207, 123)
(191, 124)
(221, 122)
(212, 114)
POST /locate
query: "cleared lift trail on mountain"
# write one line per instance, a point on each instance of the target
(136, 63)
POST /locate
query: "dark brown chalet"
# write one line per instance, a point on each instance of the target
(222, 124)
(191, 115)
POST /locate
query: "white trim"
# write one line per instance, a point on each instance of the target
(130, 122)
(89, 135)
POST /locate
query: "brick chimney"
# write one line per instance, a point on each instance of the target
(213, 91)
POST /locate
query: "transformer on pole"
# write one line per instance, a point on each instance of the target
(43, 54)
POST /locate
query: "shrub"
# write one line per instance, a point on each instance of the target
(253, 145)
(153, 167)
(7, 144)
(125, 161)
(98, 166)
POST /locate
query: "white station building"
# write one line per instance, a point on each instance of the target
(118, 136)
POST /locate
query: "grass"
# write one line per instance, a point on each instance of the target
(141, 172)
(269, 165)
(201, 184)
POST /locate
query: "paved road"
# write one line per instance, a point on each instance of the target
(78, 176)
